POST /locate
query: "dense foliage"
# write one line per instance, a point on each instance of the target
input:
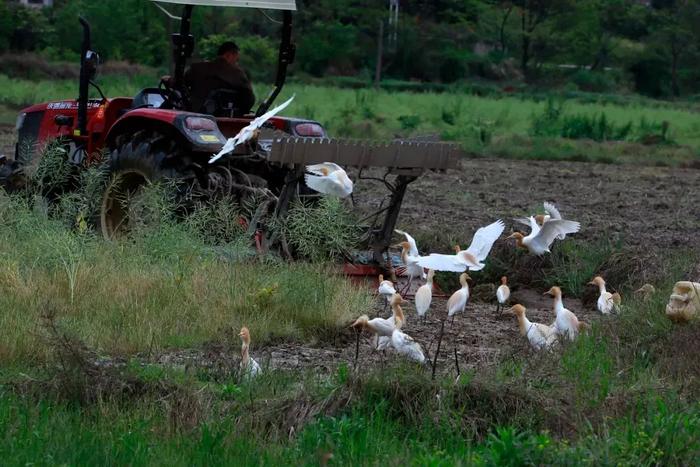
(593, 45)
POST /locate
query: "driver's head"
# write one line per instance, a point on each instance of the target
(229, 51)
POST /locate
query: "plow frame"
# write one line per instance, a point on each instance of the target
(404, 160)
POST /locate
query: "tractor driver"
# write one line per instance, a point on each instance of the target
(223, 73)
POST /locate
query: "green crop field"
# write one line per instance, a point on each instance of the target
(484, 126)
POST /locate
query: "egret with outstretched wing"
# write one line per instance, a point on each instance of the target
(540, 240)
(328, 178)
(472, 258)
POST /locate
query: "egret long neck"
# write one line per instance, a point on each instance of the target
(523, 324)
(601, 287)
(244, 353)
(558, 304)
(398, 315)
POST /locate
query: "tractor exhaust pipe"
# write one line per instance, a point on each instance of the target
(84, 78)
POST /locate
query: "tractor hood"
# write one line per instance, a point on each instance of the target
(272, 5)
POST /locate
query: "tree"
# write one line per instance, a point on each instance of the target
(533, 13)
(675, 30)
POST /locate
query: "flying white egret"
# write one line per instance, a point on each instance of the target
(540, 335)
(413, 247)
(470, 259)
(552, 214)
(249, 367)
(539, 240)
(328, 178)
(248, 132)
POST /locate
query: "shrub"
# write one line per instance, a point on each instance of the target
(322, 231)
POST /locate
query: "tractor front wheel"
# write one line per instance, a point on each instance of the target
(138, 160)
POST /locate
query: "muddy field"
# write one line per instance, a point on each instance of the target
(651, 210)
(481, 336)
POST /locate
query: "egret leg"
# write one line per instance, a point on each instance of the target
(357, 347)
(407, 287)
(456, 361)
(437, 351)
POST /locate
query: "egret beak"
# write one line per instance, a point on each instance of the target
(511, 236)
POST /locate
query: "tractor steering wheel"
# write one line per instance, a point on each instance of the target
(172, 99)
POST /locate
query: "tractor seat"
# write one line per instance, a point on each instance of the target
(148, 97)
(223, 103)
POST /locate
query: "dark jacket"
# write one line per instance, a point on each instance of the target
(204, 77)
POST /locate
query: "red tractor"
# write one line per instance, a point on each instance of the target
(156, 135)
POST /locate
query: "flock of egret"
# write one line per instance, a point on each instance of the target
(388, 332)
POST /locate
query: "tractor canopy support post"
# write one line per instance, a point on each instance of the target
(382, 239)
(84, 78)
(184, 45)
(285, 58)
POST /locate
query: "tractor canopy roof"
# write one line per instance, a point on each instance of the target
(272, 4)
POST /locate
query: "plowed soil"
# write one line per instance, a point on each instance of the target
(651, 210)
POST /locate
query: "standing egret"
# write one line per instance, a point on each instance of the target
(249, 367)
(386, 289)
(567, 324)
(502, 294)
(380, 327)
(540, 336)
(405, 345)
(607, 302)
(424, 295)
(456, 303)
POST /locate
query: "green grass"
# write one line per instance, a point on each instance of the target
(164, 289)
(485, 126)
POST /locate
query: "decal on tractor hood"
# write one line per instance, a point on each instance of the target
(70, 105)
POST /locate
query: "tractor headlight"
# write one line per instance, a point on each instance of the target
(20, 121)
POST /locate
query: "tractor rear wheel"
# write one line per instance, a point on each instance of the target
(138, 160)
